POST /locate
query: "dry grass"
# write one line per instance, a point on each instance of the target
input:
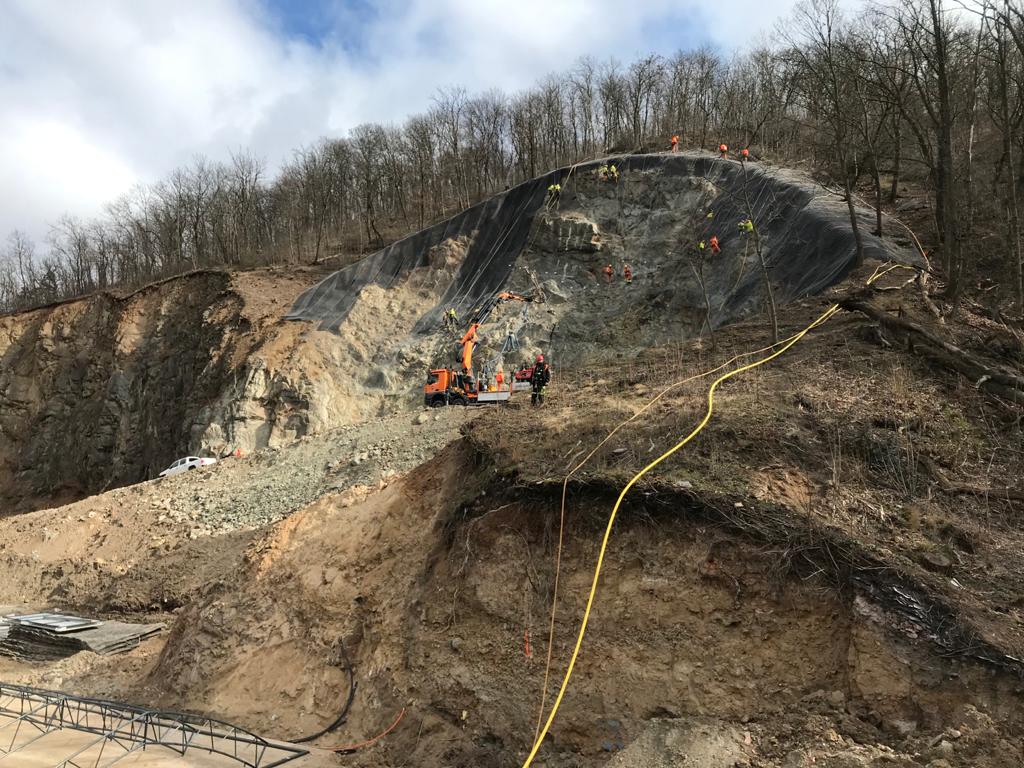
(828, 449)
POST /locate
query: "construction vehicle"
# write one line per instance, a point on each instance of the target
(522, 379)
(446, 386)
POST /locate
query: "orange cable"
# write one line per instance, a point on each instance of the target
(370, 742)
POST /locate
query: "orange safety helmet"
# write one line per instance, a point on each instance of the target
(723, 147)
(540, 358)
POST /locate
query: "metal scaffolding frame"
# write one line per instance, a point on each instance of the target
(121, 730)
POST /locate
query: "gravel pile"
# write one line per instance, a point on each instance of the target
(254, 490)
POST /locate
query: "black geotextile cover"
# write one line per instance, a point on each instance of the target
(37, 644)
(805, 235)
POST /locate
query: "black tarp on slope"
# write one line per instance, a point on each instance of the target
(805, 235)
(502, 225)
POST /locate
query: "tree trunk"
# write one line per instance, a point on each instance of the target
(1013, 210)
(999, 382)
(319, 239)
(950, 223)
(769, 292)
(698, 271)
(896, 158)
(877, 178)
(858, 240)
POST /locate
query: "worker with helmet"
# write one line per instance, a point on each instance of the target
(713, 242)
(675, 143)
(451, 319)
(723, 150)
(554, 195)
(539, 381)
(608, 272)
(744, 155)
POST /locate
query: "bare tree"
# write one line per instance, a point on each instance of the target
(818, 46)
(908, 93)
(1009, 123)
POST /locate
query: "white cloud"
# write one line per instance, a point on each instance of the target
(99, 96)
(47, 166)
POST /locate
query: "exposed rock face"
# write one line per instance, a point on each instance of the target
(105, 391)
(555, 233)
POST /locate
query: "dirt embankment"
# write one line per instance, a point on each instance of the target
(745, 612)
(830, 574)
(438, 587)
(155, 545)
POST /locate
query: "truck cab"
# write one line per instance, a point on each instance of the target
(445, 387)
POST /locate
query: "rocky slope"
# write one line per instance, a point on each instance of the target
(107, 390)
(104, 391)
(828, 575)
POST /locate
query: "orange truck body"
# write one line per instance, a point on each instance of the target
(446, 387)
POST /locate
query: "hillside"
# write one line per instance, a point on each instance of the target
(828, 574)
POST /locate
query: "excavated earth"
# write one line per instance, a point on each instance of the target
(828, 575)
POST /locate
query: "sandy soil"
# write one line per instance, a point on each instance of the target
(32, 752)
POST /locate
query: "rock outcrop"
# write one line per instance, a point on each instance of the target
(106, 391)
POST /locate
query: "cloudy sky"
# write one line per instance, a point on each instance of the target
(97, 96)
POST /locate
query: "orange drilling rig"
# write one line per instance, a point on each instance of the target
(446, 386)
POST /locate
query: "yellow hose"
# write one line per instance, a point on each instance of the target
(824, 317)
(565, 487)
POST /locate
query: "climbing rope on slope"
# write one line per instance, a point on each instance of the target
(565, 485)
(784, 347)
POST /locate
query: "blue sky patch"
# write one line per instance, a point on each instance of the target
(323, 23)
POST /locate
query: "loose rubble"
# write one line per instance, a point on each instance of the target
(256, 490)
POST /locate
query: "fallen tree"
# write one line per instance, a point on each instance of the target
(1000, 382)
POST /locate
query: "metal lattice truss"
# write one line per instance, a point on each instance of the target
(114, 731)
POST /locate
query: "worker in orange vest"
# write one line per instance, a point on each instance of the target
(627, 273)
(744, 155)
(713, 242)
(499, 379)
(609, 273)
(675, 143)
(723, 149)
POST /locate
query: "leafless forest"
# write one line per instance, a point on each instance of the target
(916, 92)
